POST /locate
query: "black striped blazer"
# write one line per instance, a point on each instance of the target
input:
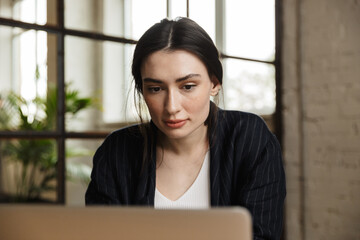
(245, 170)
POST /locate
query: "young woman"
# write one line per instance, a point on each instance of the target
(191, 154)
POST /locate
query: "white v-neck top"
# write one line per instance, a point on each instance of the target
(196, 197)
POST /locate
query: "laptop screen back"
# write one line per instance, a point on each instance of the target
(58, 222)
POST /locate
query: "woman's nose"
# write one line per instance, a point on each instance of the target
(172, 102)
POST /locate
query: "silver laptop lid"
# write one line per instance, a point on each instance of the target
(58, 222)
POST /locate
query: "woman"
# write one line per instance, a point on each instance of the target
(192, 154)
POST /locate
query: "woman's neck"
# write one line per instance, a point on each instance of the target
(196, 141)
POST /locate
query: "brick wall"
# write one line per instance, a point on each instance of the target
(321, 110)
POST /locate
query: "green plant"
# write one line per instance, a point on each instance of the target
(35, 160)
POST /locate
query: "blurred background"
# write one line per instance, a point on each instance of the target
(65, 83)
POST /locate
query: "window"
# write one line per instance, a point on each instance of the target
(250, 34)
(51, 46)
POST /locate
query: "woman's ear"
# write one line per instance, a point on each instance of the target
(215, 86)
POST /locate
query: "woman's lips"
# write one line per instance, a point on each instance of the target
(175, 123)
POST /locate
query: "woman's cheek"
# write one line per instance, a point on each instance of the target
(153, 105)
(200, 101)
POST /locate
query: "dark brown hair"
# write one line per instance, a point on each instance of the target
(179, 34)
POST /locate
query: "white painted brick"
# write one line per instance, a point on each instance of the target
(328, 87)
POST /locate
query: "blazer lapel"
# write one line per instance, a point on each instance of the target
(145, 191)
(215, 158)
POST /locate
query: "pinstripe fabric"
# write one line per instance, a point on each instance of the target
(245, 170)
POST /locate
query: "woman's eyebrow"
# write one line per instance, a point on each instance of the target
(152, 80)
(191, 75)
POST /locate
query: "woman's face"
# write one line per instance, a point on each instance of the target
(177, 90)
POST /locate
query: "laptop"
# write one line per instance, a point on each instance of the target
(30, 222)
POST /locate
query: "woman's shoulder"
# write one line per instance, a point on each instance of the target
(128, 131)
(124, 136)
(240, 119)
(243, 125)
(123, 146)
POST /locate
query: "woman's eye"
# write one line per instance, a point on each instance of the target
(154, 89)
(189, 87)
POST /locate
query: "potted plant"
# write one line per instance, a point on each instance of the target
(35, 161)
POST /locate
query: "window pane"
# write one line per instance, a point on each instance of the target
(31, 11)
(128, 19)
(177, 8)
(100, 71)
(250, 29)
(83, 78)
(79, 154)
(203, 12)
(27, 80)
(118, 87)
(144, 14)
(249, 86)
(28, 170)
(104, 16)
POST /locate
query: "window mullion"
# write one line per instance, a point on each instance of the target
(60, 125)
(220, 25)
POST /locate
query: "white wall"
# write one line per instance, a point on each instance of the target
(321, 104)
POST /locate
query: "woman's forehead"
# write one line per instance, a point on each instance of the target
(177, 63)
